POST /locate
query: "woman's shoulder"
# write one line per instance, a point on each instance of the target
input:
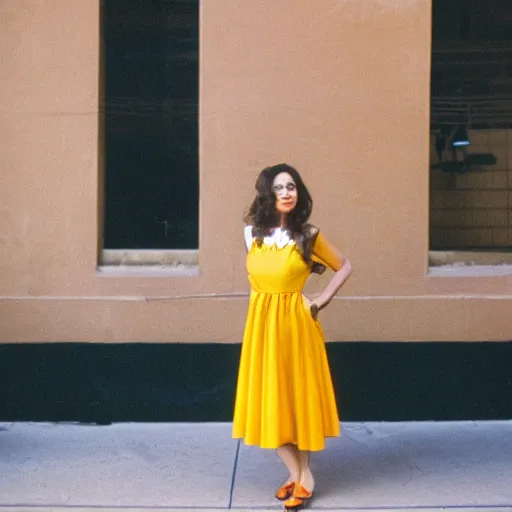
(308, 241)
(310, 231)
(248, 236)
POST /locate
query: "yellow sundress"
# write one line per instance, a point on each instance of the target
(284, 392)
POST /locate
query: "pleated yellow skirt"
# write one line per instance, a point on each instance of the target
(284, 392)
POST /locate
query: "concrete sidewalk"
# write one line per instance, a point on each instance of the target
(136, 466)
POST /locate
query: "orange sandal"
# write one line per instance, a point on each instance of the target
(284, 492)
(299, 496)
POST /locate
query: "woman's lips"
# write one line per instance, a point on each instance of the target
(287, 204)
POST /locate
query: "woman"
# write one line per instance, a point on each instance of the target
(285, 398)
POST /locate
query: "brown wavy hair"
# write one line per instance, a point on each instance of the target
(263, 215)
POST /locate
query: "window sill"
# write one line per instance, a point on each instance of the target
(470, 271)
(149, 263)
(469, 263)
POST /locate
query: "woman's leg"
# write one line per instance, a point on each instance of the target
(289, 454)
(306, 477)
(299, 495)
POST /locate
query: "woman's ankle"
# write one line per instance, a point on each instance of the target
(293, 478)
(307, 481)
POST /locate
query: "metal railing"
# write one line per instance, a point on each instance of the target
(139, 107)
(473, 111)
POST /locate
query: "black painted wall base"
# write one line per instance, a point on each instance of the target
(103, 383)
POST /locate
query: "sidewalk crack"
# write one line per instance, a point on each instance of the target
(235, 464)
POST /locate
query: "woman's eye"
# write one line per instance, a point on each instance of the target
(290, 186)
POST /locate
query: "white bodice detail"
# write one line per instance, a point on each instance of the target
(279, 237)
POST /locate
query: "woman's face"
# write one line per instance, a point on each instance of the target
(285, 190)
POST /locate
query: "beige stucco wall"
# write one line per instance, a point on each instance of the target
(339, 89)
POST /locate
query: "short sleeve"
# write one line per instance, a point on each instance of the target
(248, 236)
(326, 253)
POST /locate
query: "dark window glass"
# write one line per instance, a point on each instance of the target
(151, 123)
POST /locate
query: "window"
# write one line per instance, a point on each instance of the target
(471, 132)
(151, 77)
